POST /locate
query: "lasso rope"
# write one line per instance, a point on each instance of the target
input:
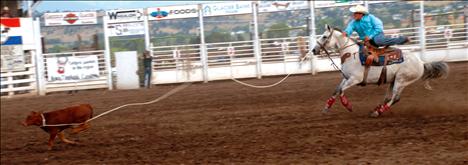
(271, 85)
(171, 92)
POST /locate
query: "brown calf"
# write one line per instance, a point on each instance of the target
(70, 115)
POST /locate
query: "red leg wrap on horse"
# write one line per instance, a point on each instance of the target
(346, 103)
(330, 102)
(382, 108)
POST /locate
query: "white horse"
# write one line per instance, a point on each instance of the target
(399, 75)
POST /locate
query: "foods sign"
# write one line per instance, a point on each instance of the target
(70, 18)
(172, 12)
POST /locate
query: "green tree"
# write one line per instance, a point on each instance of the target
(278, 30)
(218, 36)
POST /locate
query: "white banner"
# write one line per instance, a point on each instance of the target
(126, 29)
(230, 8)
(72, 68)
(172, 12)
(12, 58)
(272, 6)
(130, 15)
(322, 4)
(70, 18)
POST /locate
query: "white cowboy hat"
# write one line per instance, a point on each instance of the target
(359, 9)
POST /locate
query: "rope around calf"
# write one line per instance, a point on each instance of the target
(171, 92)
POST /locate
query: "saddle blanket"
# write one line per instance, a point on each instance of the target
(392, 59)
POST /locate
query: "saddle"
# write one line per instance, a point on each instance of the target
(371, 55)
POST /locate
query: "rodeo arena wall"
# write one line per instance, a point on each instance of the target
(34, 63)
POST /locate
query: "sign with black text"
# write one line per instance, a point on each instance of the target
(130, 15)
(12, 58)
(126, 29)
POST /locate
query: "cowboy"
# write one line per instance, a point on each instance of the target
(370, 28)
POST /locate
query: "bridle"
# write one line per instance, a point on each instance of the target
(322, 47)
(345, 45)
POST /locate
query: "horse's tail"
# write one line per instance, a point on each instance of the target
(434, 70)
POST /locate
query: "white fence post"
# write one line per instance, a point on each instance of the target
(203, 53)
(256, 40)
(312, 40)
(422, 31)
(39, 59)
(147, 37)
(107, 53)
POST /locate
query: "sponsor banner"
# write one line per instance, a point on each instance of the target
(130, 15)
(70, 68)
(11, 31)
(70, 18)
(12, 58)
(272, 6)
(172, 12)
(230, 8)
(126, 29)
(323, 4)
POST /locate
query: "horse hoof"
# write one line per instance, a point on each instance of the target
(374, 114)
(325, 111)
(350, 109)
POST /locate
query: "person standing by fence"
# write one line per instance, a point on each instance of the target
(147, 60)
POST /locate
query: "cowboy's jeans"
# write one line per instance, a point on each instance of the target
(147, 81)
(381, 40)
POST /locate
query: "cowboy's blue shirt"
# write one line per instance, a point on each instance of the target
(369, 25)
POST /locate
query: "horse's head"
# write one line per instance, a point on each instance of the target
(328, 39)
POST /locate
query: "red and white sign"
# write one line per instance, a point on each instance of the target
(11, 34)
(70, 18)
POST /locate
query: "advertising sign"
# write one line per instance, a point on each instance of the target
(229, 8)
(172, 12)
(12, 54)
(322, 4)
(70, 18)
(130, 15)
(272, 6)
(12, 58)
(72, 68)
(126, 29)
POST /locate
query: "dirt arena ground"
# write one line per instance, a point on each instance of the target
(223, 122)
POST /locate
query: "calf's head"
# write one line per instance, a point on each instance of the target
(34, 118)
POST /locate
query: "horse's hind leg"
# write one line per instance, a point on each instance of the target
(388, 94)
(396, 92)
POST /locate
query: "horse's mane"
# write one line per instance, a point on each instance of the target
(341, 31)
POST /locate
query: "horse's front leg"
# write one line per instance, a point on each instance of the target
(345, 84)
